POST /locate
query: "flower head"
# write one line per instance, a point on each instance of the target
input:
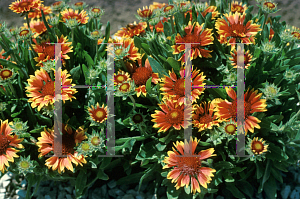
(96, 12)
(24, 6)
(96, 141)
(258, 146)
(36, 13)
(188, 168)
(175, 87)
(121, 77)
(70, 139)
(142, 74)
(145, 13)
(98, 114)
(81, 17)
(25, 165)
(247, 59)
(57, 6)
(269, 47)
(8, 144)
(6, 74)
(41, 89)
(238, 7)
(252, 103)
(19, 127)
(269, 7)
(131, 30)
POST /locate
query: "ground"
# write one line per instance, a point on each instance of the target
(121, 12)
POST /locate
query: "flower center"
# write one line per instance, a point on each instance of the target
(272, 90)
(120, 78)
(99, 113)
(174, 117)
(296, 34)
(24, 32)
(124, 87)
(269, 5)
(257, 147)
(67, 145)
(230, 129)
(205, 119)
(49, 50)
(141, 75)
(237, 8)
(4, 143)
(24, 164)
(137, 118)
(95, 141)
(118, 51)
(48, 88)
(179, 87)
(96, 10)
(192, 38)
(237, 30)
(24, 4)
(5, 74)
(85, 146)
(189, 165)
(170, 7)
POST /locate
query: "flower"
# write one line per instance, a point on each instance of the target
(8, 144)
(290, 75)
(25, 165)
(236, 7)
(156, 5)
(19, 127)
(171, 116)
(131, 30)
(98, 114)
(204, 9)
(142, 74)
(6, 74)
(36, 13)
(236, 29)
(121, 77)
(269, 47)
(145, 13)
(189, 169)
(45, 50)
(96, 141)
(41, 89)
(141, 89)
(203, 37)
(269, 7)
(258, 146)
(24, 34)
(2, 27)
(38, 27)
(175, 87)
(271, 92)
(84, 148)
(24, 6)
(70, 139)
(57, 6)
(228, 127)
(247, 59)
(252, 103)
(204, 117)
(96, 12)
(295, 32)
(95, 35)
(81, 18)
(159, 27)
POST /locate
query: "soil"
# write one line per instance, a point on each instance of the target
(121, 12)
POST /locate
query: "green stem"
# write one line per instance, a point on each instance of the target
(172, 24)
(12, 89)
(72, 53)
(7, 90)
(32, 49)
(148, 26)
(2, 115)
(96, 52)
(133, 101)
(142, 130)
(96, 24)
(265, 20)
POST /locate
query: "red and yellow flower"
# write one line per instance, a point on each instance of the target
(171, 116)
(37, 26)
(41, 89)
(210, 9)
(175, 87)
(238, 7)
(252, 103)
(121, 77)
(24, 6)
(133, 52)
(70, 139)
(45, 50)
(247, 59)
(188, 167)
(159, 27)
(98, 114)
(145, 13)
(37, 12)
(8, 144)
(296, 32)
(204, 117)
(82, 17)
(233, 28)
(156, 5)
(131, 30)
(201, 37)
(258, 146)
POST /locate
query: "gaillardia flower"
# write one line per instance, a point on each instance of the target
(247, 59)
(258, 146)
(188, 169)
(36, 13)
(41, 89)
(175, 87)
(37, 26)
(233, 28)
(204, 117)
(145, 13)
(45, 50)
(70, 139)
(8, 144)
(238, 7)
(131, 30)
(201, 37)
(172, 115)
(121, 77)
(81, 18)
(98, 114)
(252, 103)
(24, 6)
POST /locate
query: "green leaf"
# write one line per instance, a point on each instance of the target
(259, 170)
(267, 172)
(137, 42)
(160, 147)
(80, 182)
(174, 64)
(88, 58)
(156, 67)
(128, 144)
(148, 172)
(75, 73)
(228, 177)
(105, 162)
(53, 39)
(235, 191)
(292, 52)
(101, 175)
(146, 48)
(9, 64)
(215, 91)
(16, 114)
(148, 85)
(223, 165)
(276, 174)
(107, 35)
(131, 179)
(167, 29)
(38, 130)
(94, 166)
(85, 73)
(245, 187)
(271, 188)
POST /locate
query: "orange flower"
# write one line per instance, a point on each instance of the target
(258, 146)
(121, 77)
(159, 27)
(238, 7)
(172, 115)
(8, 144)
(133, 51)
(37, 12)
(2, 57)
(82, 17)
(188, 169)
(247, 59)
(46, 52)
(24, 6)
(98, 114)
(145, 13)
(131, 30)
(41, 89)
(296, 32)
(70, 139)
(141, 89)
(156, 5)
(37, 26)
(203, 117)
(252, 103)
(175, 88)
(142, 74)
(209, 9)
(167, 8)
(236, 29)
(203, 37)
(5, 73)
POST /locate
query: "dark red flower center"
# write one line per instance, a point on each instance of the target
(4, 143)
(179, 87)
(141, 75)
(189, 165)
(137, 118)
(67, 145)
(237, 30)
(48, 88)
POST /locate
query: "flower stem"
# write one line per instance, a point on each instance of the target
(148, 26)
(12, 88)
(2, 115)
(96, 52)
(72, 53)
(172, 24)
(133, 101)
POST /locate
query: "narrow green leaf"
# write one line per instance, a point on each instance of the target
(105, 162)
(174, 64)
(148, 85)
(149, 172)
(156, 67)
(80, 182)
(101, 175)
(267, 172)
(235, 191)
